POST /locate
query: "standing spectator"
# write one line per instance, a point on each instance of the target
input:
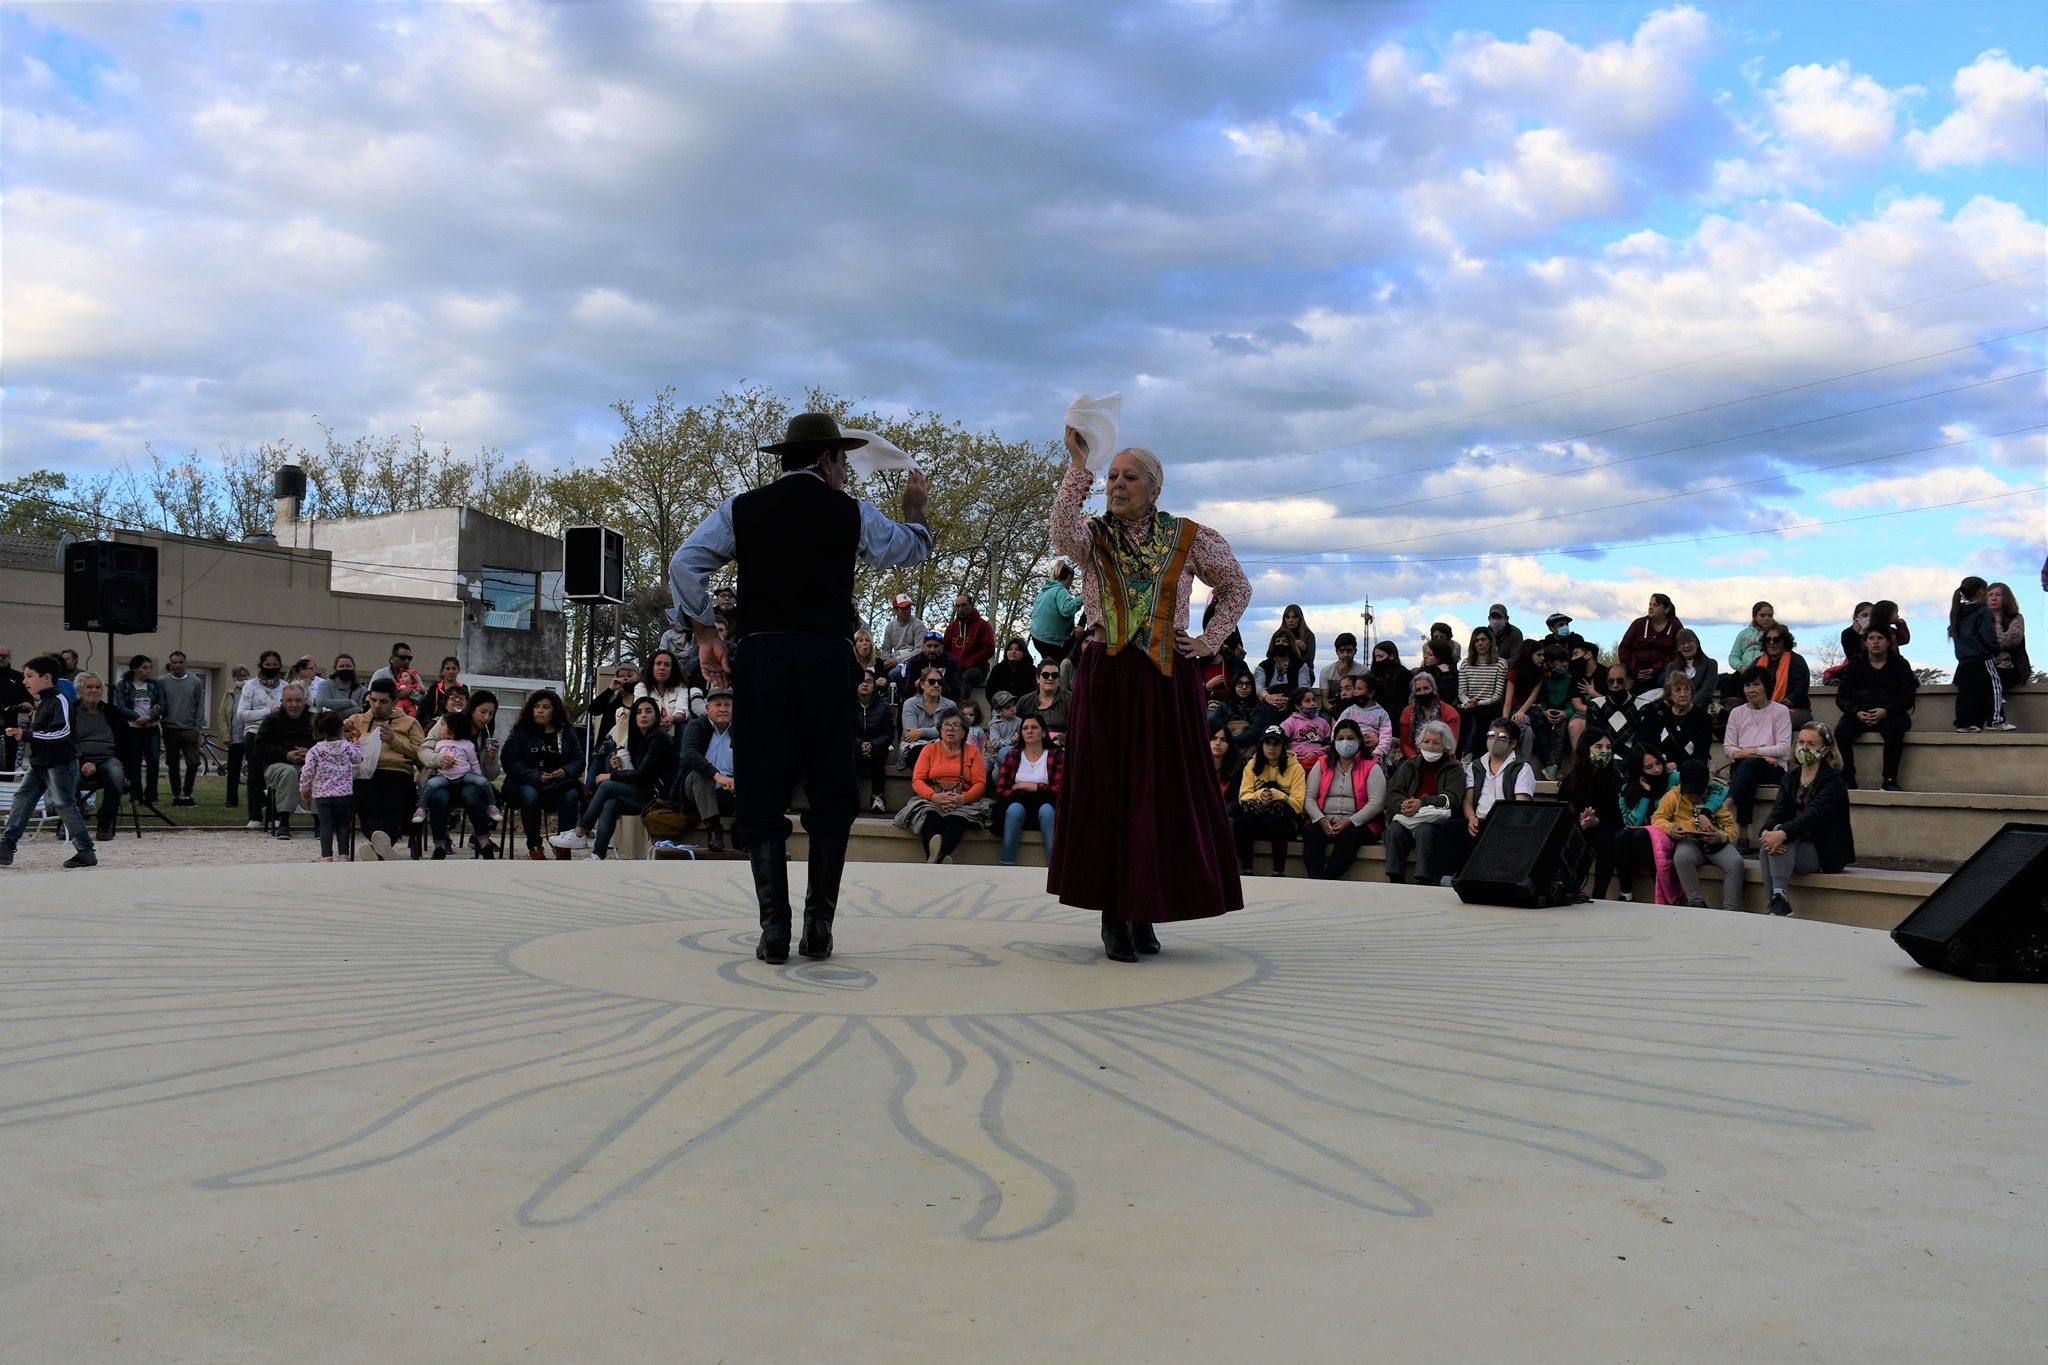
(1675, 725)
(2011, 663)
(140, 700)
(972, 641)
(1271, 797)
(1425, 796)
(403, 676)
(1308, 733)
(1650, 644)
(231, 731)
(1014, 673)
(1591, 786)
(543, 761)
(277, 750)
(52, 766)
(1507, 636)
(1389, 675)
(877, 734)
(707, 765)
(1692, 662)
(1790, 678)
(922, 714)
(949, 791)
(1373, 721)
(1481, 684)
(105, 744)
(1331, 680)
(1027, 789)
(1279, 676)
(1748, 647)
(1424, 707)
(14, 699)
(1049, 701)
(1345, 799)
(260, 696)
(1808, 829)
(385, 799)
(1758, 741)
(1852, 634)
(901, 638)
(1301, 641)
(437, 691)
(340, 691)
(1980, 694)
(1497, 775)
(638, 771)
(1053, 612)
(1700, 830)
(605, 706)
(663, 680)
(1615, 712)
(327, 783)
(1876, 694)
(184, 721)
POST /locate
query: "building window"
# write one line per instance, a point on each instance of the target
(509, 597)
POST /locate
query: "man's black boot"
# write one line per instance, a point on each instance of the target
(770, 864)
(821, 895)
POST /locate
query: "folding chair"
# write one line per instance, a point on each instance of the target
(10, 783)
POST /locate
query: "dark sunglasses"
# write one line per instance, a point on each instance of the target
(1049, 675)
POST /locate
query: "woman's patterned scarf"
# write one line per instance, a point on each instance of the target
(1141, 582)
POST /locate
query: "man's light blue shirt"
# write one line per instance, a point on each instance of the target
(713, 545)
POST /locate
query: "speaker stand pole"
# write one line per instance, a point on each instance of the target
(135, 801)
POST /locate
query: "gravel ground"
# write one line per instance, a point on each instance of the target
(173, 848)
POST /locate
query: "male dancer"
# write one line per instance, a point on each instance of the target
(796, 542)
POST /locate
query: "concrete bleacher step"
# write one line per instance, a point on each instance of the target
(1867, 898)
(1935, 707)
(1934, 829)
(2009, 763)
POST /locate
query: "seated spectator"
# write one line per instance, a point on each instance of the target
(1557, 714)
(1372, 720)
(1650, 644)
(948, 791)
(1701, 829)
(280, 746)
(663, 680)
(1330, 682)
(923, 712)
(385, 800)
(1221, 670)
(1027, 787)
(1876, 692)
(636, 772)
(1758, 741)
(1424, 707)
(706, 765)
(1748, 648)
(481, 708)
(1052, 614)
(1852, 638)
(340, 692)
(1048, 701)
(1615, 711)
(1523, 686)
(102, 733)
(934, 656)
(1235, 716)
(1014, 672)
(1440, 658)
(971, 640)
(543, 761)
(1507, 636)
(139, 697)
(2011, 663)
(1227, 762)
(327, 784)
(1641, 792)
(1425, 798)
(437, 691)
(866, 657)
(977, 728)
(1591, 786)
(1278, 677)
(1301, 640)
(1482, 683)
(1692, 662)
(1345, 800)
(877, 733)
(460, 776)
(1560, 629)
(605, 706)
(1308, 733)
(1675, 726)
(412, 693)
(1497, 775)
(902, 638)
(1788, 673)
(259, 697)
(1808, 829)
(1004, 729)
(1884, 615)
(1271, 797)
(1389, 675)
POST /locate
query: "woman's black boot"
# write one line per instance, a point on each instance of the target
(1143, 938)
(1116, 938)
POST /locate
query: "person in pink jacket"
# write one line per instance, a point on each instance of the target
(327, 782)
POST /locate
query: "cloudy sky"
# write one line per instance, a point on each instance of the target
(1437, 304)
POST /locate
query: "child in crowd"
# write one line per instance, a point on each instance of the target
(327, 782)
(52, 765)
(458, 742)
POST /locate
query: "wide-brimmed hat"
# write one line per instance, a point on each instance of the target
(811, 433)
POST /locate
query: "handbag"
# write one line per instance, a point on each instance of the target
(664, 821)
(1428, 815)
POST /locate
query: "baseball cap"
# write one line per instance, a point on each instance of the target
(902, 599)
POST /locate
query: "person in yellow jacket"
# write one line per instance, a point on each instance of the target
(1695, 817)
(1270, 799)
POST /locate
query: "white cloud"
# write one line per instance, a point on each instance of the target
(1833, 112)
(2001, 114)
(1933, 488)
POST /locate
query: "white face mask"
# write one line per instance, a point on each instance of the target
(1806, 757)
(1431, 755)
(1346, 748)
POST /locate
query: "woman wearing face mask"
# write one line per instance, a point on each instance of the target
(1301, 640)
(1808, 828)
(1270, 798)
(1346, 795)
(1307, 731)
(1424, 707)
(1641, 792)
(1236, 716)
(1650, 644)
(340, 691)
(1591, 786)
(1389, 675)
(1876, 692)
(1425, 798)
(1279, 676)
(1440, 657)
(1852, 634)
(1695, 821)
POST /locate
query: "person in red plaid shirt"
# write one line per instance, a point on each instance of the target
(1027, 787)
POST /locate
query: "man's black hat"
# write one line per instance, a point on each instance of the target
(812, 433)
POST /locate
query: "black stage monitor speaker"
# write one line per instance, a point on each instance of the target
(110, 587)
(593, 564)
(1988, 921)
(1530, 853)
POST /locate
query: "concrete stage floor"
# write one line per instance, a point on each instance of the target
(426, 1112)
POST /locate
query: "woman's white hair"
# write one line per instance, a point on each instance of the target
(1148, 462)
(1442, 733)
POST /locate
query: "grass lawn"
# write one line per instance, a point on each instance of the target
(209, 791)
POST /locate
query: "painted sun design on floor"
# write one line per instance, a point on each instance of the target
(1291, 1040)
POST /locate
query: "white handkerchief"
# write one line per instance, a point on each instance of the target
(1096, 419)
(876, 455)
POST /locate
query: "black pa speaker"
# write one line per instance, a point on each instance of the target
(593, 564)
(1989, 921)
(1530, 853)
(110, 587)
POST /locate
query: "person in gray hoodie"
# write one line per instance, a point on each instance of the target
(184, 719)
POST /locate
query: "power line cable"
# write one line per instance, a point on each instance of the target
(1629, 378)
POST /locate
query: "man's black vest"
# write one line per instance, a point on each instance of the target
(796, 542)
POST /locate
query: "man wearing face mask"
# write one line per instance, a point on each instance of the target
(259, 696)
(340, 691)
(1426, 795)
(1507, 637)
(1616, 713)
(1497, 775)
(1425, 707)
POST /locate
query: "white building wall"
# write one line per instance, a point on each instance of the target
(403, 554)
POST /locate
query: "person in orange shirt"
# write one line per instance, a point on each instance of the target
(950, 791)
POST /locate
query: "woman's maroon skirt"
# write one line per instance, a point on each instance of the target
(1142, 831)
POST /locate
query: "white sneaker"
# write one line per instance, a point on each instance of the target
(419, 817)
(877, 807)
(254, 824)
(380, 846)
(568, 838)
(2005, 725)
(591, 858)
(495, 814)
